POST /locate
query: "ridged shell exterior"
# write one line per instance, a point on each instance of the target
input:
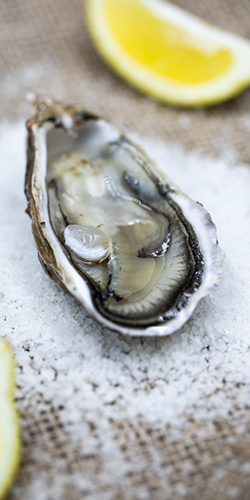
(51, 114)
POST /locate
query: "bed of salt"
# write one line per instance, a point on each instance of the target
(95, 374)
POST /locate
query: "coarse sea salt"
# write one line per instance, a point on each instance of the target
(96, 374)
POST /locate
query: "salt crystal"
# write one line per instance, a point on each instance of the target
(97, 375)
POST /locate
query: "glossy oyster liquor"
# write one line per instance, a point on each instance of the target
(111, 228)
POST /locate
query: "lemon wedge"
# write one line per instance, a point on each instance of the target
(168, 53)
(9, 424)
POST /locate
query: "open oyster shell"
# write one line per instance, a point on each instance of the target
(111, 228)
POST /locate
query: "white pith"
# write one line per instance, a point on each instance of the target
(9, 431)
(209, 37)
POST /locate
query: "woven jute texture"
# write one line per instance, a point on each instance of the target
(44, 47)
(48, 42)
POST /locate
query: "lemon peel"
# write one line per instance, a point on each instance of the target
(9, 423)
(167, 52)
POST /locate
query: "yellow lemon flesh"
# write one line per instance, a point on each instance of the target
(167, 52)
(9, 424)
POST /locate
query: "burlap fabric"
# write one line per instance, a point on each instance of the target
(48, 41)
(44, 47)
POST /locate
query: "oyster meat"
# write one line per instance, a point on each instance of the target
(111, 228)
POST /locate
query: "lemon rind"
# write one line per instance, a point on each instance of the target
(9, 422)
(219, 89)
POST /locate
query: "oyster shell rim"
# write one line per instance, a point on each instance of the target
(60, 270)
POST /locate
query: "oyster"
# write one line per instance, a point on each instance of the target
(111, 228)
